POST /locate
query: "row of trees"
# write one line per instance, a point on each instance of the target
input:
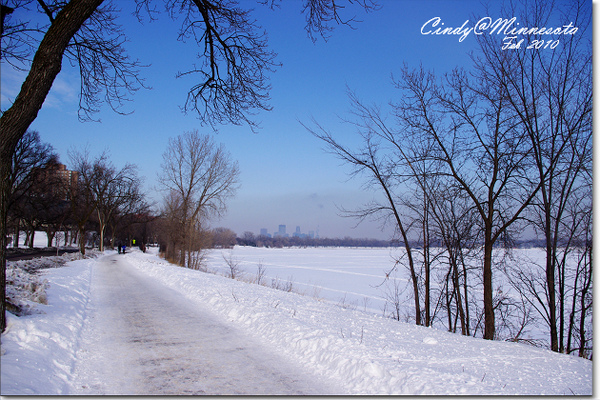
(93, 196)
(111, 197)
(33, 202)
(225, 238)
(250, 239)
(476, 157)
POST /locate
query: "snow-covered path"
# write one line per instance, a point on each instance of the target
(141, 337)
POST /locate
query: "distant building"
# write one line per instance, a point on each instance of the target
(264, 232)
(57, 179)
(281, 232)
(299, 234)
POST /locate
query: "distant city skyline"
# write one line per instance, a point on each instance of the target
(282, 232)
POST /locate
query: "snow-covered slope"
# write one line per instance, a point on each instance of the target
(361, 352)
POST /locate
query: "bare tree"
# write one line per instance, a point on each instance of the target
(223, 238)
(248, 239)
(459, 131)
(582, 294)
(235, 270)
(482, 148)
(15, 121)
(136, 210)
(83, 202)
(201, 177)
(171, 235)
(30, 155)
(104, 191)
(46, 203)
(381, 174)
(579, 329)
(393, 293)
(113, 190)
(455, 225)
(261, 273)
(550, 91)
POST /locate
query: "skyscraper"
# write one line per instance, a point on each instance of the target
(297, 233)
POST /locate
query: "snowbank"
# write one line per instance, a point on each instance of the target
(38, 348)
(369, 354)
(25, 286)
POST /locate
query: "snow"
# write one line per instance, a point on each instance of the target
(38, 350)
(60, 347)
(40, 240)
(145, 338)
(353, 277)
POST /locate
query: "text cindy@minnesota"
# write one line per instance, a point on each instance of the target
(501, 26)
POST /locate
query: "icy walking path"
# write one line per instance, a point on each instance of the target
(141, 337)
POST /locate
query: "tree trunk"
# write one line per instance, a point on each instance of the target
(448, 302)
(584, 307)
(551, 285)
(182, 256)
(81, 240)
(426, 260)
(102, 226)
(488, 295)
(17, 233)
(562, 297)
(50, 236)
(74, 237)
(46, 65)
(414, 278)
(5, 169)
(466, 292)
(101, 245)
(573, 307)
(26, 241)
(460, 311)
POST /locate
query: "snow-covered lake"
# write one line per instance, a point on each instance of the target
(350, 277)
(360, 279)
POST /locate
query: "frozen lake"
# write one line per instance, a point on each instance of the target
(356, 278)
(352, 277)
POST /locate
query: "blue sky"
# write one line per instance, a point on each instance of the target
(286, 176)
